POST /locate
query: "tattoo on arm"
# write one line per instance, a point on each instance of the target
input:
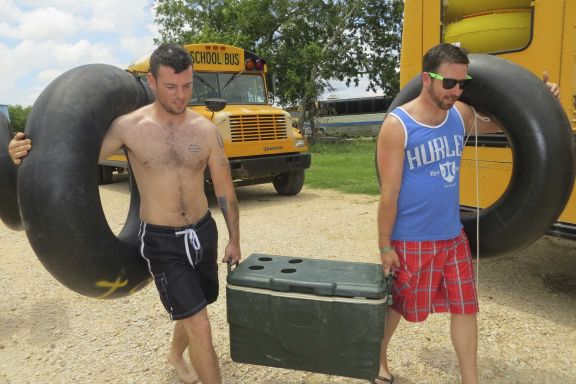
(223, 204)
(229, 209)
(220, 140)
(226, 165)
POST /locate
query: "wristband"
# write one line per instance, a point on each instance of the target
(386, 249)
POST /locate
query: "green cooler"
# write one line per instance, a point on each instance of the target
(307, 314)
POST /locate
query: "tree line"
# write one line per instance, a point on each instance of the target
(306, 43)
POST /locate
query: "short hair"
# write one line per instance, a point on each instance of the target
(171, 55)
(444, 53)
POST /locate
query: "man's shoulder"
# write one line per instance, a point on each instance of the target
(135, 116)
(400, 113)
(197, 121)
(466, 112)
(412, 107)
(462, 107)
(196, 117)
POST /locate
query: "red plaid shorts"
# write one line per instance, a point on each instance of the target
(434, 276)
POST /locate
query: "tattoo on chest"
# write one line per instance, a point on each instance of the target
(194, 148)
(172, 148)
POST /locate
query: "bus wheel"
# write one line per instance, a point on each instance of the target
(9, 212)
(542, 147)
(58, 193)
(289, 183)
(106, 174)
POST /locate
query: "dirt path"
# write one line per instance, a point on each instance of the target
(49, 334)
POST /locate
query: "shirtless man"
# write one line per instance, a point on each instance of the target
(169, 147)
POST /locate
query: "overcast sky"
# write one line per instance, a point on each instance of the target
(41, 39)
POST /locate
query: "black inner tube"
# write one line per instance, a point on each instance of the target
(9, 211)
(542, 146)
(58, 183)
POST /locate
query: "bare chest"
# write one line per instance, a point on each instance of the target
(165, 149)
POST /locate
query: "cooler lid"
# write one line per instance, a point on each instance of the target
(313, 276)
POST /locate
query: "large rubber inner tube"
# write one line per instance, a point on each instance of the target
(9, 212)
(58, 183)
(542, 147)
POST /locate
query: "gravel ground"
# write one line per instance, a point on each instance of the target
(49, 334)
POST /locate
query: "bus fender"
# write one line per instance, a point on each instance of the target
(542, 146)
(58, 184)
(9, 212)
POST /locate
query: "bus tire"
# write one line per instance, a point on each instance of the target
(289, 183)
(58, 194)
(542, 146)
(106, 174)
(9, 212)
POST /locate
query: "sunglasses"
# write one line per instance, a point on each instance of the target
(450, 83)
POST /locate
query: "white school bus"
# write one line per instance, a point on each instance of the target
(259, 139)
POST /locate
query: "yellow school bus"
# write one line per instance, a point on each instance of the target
(539, 35)
(259, 139)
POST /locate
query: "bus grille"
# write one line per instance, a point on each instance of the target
(257, 127)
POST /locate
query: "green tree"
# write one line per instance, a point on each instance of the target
(306, 43)
(18, 116)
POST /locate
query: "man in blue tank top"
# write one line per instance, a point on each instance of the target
(420, 234)
(419, 231)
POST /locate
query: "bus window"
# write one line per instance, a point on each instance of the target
(488, 27)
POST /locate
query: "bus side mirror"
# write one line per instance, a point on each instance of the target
(271, 80)
(215, 105)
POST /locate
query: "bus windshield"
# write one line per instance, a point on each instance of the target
(235, 88)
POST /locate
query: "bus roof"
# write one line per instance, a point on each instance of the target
(211, 57)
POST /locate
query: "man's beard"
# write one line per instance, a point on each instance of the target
(446, 105)
(170, 109)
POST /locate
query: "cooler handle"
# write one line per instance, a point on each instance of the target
(308, 287)
(388, 281)
(229, 266)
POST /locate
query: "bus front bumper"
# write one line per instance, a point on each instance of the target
(268, 165)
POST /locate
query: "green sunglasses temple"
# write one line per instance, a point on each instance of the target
(462, 83)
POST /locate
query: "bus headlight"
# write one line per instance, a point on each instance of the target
(300, 143)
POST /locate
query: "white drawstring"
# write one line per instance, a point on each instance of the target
(191, 237)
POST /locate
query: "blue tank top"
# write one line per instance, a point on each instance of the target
(428, 205)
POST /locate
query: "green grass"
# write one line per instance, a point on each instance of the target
(346, 166)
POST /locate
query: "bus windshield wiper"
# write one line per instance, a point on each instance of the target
(196, 76)
(229, 81)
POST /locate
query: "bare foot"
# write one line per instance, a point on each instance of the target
(184, 370)
(384, 379)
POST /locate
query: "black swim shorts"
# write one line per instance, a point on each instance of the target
(183, 262)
